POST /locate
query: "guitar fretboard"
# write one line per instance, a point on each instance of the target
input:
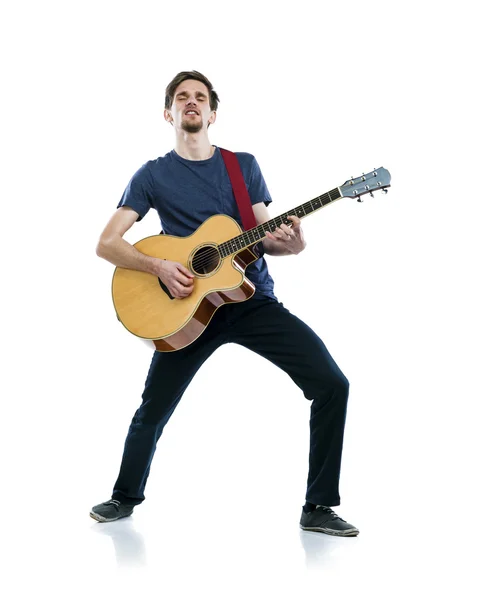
(251, 236)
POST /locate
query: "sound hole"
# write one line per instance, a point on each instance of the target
(205, 260)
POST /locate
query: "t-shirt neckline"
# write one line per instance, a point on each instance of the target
(196, 162)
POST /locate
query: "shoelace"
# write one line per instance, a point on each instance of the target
(114, 502)
(328, 509)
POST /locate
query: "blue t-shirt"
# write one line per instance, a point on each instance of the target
(187, 192)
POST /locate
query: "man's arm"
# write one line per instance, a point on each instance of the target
(112, 247)
(284, 240)
(115, 249)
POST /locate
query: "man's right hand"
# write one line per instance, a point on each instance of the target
(177, 278)
(112, 247)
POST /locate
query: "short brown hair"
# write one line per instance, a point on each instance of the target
(183, 76)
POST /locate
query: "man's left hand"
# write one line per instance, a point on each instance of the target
(290, 237)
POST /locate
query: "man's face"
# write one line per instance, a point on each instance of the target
(191, 107)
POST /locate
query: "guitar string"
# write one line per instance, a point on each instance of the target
(207, 256)
(228, 245)
(210, 255)
(243, 241)
(315, 204)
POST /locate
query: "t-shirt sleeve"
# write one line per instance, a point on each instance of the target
(257, 187)
(138, 194)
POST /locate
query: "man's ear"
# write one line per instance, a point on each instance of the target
(212, 118)
(168, 116)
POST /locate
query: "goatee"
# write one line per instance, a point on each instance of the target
(191, 127)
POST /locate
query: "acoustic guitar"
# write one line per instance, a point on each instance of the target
(217, 253)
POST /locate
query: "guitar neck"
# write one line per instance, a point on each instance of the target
(251, 236)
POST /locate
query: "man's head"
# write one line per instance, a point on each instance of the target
(190, 100)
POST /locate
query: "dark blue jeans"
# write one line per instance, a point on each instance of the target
(265, 326)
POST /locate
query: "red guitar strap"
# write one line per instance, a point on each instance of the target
(239, 189)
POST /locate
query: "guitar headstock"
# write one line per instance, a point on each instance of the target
(378, 179)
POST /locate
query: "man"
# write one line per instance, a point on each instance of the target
(186, 186)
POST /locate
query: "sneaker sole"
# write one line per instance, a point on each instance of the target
(345, 533)
(101, 519)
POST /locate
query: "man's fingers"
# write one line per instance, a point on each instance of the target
(285, 234)
(296, 220)
(181, 291)
(281, 235)
(183, 280)
(185, 271)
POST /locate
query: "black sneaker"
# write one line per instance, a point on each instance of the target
(324, 519)
(111, 511)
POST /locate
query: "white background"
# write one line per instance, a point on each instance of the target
(401, 289)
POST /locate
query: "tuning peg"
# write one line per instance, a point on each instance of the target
(384, 191)
(359, 199)
(372, 194)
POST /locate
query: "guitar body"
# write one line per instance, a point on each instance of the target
(144, 305)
